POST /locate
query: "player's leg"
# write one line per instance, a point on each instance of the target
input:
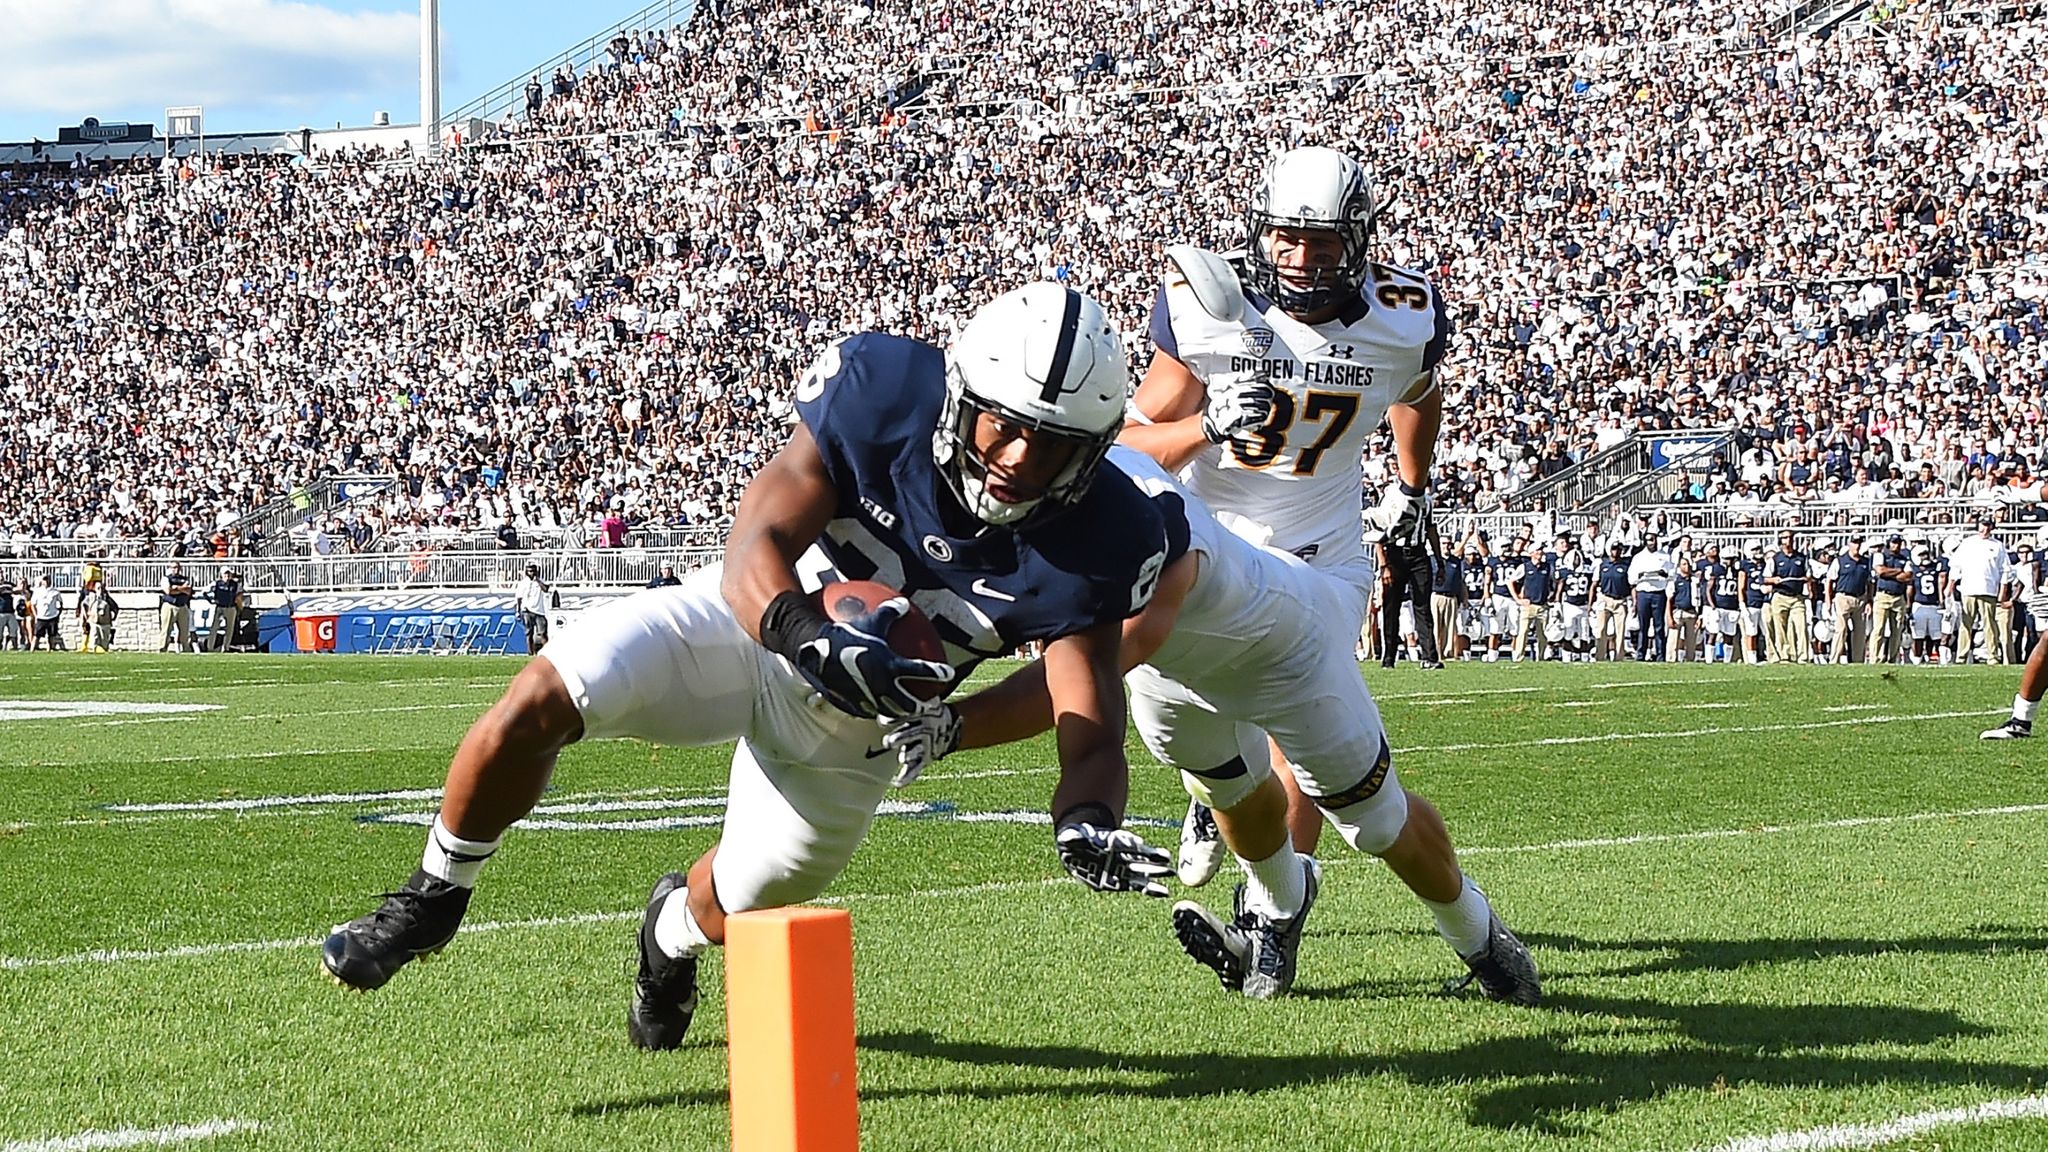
(794, 817)
(1323, 714)
(673, 667)
(2033, 684)
(1224, 765)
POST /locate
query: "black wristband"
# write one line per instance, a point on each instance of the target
(1408, 489)
(790, 622)
(1087, 812)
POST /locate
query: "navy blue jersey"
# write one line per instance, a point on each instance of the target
(1685, 593)
(1927, 581)
(1756, 595)
(1790, 569)
(871, 403)
(1504, 570)
(1892, 558)
(1449, 579)
(1852, 575)
(1537, 582)
(1723, 587)
(1578, 586)
(1475, 580)
(1614, 579)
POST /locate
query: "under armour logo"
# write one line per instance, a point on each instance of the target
(1342, 351)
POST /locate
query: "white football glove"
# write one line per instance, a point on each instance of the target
(921, 739)
(1239, 404)
(1403, 515)
(1112, 859)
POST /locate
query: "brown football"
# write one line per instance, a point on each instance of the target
(913, 634)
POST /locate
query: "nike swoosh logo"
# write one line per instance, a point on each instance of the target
(873, 753)
(981, 588)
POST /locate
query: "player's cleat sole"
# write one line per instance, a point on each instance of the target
(2014, 729)
(1210, 942)
(413, 923)
(1504, 971)
(1201, 846)
(665, 987)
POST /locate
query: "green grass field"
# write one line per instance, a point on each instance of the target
(1766, 901)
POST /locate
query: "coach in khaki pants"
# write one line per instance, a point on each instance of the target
(1786, 615)
(1978, 568)
(1850, 580)
(175, 611)
(1446, 594)
(1612, 605)
(1894, 585)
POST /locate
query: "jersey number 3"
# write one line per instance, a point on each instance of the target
(1263, 445)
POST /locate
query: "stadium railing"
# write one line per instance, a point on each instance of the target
(512, 93)
(588, 567)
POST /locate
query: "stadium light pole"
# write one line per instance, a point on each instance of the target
(430, 74)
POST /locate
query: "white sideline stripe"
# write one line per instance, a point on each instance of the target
(1580, 703)
(121, 956)
(1689, 733)
(280, 801)
(469, 704)
(1724, 704)
(1529, 688)
(1872, 1135)
(133, 1137)
(1855, 708)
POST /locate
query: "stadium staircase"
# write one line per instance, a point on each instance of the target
(511, 95)
(1813, 18)
(324, 495)
(1624, 476)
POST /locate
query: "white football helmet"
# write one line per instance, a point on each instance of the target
(1044, 357)
(1311, 188)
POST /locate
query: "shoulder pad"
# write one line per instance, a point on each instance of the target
(1212, 279)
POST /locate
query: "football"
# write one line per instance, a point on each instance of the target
(913, 635)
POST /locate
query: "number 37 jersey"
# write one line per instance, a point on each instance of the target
(1294, 483)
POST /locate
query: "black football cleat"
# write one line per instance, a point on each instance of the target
(2014, 728)
(417, 921)
(1269, 960)
(665, 990)
(1217, 946)
(1504, 969)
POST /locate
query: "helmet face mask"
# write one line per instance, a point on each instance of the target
(1305, 197)
(1047, 365)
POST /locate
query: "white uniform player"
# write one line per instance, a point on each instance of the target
(1272, 369)
(1238, 643)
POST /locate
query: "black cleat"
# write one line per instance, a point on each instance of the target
(665, 990)
(1218, 946)
(417, 921)
(1269, 962)
(1504, 969)
(2014, 728)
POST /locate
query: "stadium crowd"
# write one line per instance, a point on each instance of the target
(1647, 216)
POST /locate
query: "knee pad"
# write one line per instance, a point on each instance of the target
(1370, 814)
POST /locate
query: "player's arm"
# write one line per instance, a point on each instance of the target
(1416, 418)
(782, 512)
(1021, 705)
(1166, 422)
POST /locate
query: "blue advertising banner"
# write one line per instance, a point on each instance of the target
(479, 622)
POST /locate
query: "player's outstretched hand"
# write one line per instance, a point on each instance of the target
(1239, 404)
(1403, 515)
(921, 739)
(1112, 859)
(852, 666)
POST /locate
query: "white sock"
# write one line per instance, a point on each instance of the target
(675, 930)
(1463, 922)
(454, 859)
(1275, 885)
(2023, 708)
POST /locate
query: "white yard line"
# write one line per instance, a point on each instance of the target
(133, 1137)
(1856, 708)
(1692, 733)
(123, 956)
(1836, 1136)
